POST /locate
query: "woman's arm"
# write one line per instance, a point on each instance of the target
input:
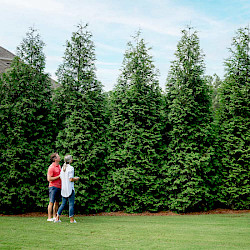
(74, 179)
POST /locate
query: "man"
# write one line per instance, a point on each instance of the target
(53, 176)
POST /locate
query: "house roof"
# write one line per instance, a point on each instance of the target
(5, 54)
(6, 58)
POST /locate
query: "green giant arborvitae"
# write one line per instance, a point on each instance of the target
(188, 173)
(235, 124)
(80, 108)
(134, 133)
(26, 130)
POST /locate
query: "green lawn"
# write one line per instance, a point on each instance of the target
(227, 231)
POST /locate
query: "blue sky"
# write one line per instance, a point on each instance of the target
(113, 22)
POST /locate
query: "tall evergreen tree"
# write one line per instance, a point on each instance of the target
(235, 124)
(26, 135)
(81, 110)
(135, 133)
(188, 169)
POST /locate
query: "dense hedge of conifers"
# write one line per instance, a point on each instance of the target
(135, 148)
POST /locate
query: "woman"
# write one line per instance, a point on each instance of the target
(67, 191)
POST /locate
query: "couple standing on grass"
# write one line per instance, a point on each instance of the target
(61, 184)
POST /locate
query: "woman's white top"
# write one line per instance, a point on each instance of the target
(67, 185)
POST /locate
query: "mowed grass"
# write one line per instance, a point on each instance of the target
(227, 231)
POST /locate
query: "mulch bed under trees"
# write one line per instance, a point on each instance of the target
(121, 213)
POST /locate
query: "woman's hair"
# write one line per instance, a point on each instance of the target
(67, 160)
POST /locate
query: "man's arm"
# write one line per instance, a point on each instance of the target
(50, 178)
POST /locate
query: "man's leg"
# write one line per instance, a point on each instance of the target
(57, 200)
(55, 208)
(50, 208)
(51, 202)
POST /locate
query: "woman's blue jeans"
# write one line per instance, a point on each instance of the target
(71, 199)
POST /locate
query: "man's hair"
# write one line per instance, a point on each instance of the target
(53, 157)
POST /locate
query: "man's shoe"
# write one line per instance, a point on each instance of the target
(73, 221)
(52, 219)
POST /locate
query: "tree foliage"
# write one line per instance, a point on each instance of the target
(214, 82)
(30, 50)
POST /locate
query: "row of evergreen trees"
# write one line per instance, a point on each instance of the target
(135, 148)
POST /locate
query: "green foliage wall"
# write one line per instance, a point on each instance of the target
(134, 148)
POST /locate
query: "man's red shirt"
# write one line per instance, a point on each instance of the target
(54, 170)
